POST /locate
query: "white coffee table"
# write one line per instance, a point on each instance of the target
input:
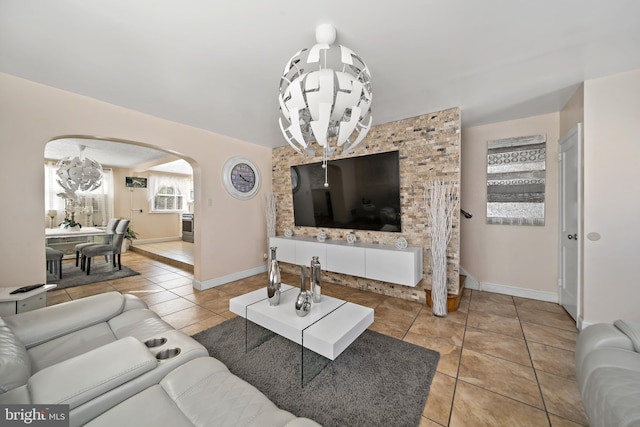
(329, 328)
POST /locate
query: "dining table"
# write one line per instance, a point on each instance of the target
(66, 239)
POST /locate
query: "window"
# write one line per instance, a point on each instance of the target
(168, 199)
(168, 193)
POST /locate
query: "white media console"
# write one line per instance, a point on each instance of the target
(377, 262)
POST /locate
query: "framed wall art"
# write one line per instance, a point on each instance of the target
(516, 171)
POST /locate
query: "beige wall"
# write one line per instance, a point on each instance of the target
(611, 202)
(521, 260)
(148, 226)
(573, 112)
(230, 234)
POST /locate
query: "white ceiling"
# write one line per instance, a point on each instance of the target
(216, 65)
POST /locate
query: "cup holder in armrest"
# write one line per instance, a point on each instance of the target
(155, 342)
(167, 353)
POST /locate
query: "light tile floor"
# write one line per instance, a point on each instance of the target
(504, 361)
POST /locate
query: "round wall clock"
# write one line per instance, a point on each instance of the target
(241, 178)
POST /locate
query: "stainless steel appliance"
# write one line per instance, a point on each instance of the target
(187, 227)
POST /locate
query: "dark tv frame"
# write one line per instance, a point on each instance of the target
(308, 194)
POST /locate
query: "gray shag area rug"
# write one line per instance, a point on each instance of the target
(100, 272)
(376, 381)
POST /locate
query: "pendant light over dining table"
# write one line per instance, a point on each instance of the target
(325, 96)
(78, 173)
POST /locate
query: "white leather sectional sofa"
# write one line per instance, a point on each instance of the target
(115, 362)
(608, 373)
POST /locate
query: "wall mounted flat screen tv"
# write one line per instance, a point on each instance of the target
(363, 193)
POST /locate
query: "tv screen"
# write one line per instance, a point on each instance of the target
(363, 193)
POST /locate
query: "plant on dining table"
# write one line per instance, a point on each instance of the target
(71, 207)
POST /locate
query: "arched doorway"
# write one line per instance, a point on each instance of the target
(154, 224)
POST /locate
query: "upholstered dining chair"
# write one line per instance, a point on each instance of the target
(111, 226)
(54, 261)
(114, 249)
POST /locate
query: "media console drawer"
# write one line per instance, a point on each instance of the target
(377, 262)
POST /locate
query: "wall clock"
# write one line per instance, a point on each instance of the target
(241, 178)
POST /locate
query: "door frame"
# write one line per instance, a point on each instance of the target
(578, 129)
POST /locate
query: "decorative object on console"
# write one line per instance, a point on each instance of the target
(401, 243)
(351, 238)
(316, 287)
(273, 286)
(441, 202)
(288, 232)
(79, 174)
(322, 236)
(271, 210)
(325, 95)
(303, 302)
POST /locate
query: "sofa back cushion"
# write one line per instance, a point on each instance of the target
(15, 365)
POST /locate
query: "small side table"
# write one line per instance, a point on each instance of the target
(25, 301)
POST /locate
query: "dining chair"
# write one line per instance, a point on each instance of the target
(54, 261)
(111, 226)
(113, 249)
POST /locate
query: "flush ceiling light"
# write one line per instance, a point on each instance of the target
(325, 96)
(79, 174)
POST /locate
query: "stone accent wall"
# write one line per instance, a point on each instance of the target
(429, 148)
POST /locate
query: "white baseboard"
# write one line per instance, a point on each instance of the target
(513, 291)
(212, 283)
(582, 324)
(157, 240)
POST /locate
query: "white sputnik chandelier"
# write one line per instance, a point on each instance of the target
(325, 96)
(79, 174)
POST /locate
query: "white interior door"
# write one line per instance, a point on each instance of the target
(570, 220)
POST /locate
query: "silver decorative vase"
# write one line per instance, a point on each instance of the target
(273, 286)
(316, 288)
(303, 302)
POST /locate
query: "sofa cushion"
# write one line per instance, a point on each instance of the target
(87, 376)
(38, 326)
(201, 392)
(67, 346)
(15, 366)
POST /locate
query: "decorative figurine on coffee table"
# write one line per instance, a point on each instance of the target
(316, 288)
(303, 302)
(273, 286)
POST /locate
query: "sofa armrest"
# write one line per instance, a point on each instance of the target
(631, 330)
(38, 326)
(132, 302)
(82, 378)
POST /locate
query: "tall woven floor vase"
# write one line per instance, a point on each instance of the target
(441, 201)
(439, 286)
